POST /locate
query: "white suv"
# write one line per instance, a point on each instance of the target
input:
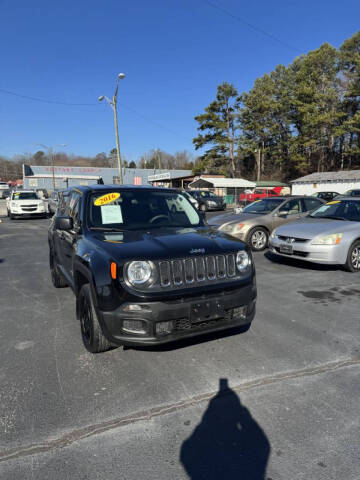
(25, 203)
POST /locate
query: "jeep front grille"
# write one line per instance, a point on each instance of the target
(187, 272)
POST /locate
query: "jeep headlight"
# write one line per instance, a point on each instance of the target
(140, 272)
(332, 239)
(13, 205)
(243, 260)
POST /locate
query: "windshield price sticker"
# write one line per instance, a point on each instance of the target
(111, 214)
(333, 203)
(106, 199)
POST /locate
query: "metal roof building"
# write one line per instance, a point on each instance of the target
(215, 182)
(338, 182)
(65, 176)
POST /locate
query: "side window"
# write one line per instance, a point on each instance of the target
(311, 204)
(74, 207)
(292, 207)
(63, 208)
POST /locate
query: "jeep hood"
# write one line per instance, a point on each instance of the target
(165, 243)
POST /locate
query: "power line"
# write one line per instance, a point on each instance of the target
(69, 104)
(250, 25)
(43, 100)
(152, 121)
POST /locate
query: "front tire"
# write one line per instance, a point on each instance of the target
(353, 258)
(92, 335)
(258, 239)
(57, 279)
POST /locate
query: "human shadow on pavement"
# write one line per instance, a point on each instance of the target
(228, 443)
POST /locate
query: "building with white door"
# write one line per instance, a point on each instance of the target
(338, 182)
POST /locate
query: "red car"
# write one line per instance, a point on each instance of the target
(260, 193)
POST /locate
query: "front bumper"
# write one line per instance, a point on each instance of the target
(323, 254)
(37, 213)
(179, 313)
(216, 207)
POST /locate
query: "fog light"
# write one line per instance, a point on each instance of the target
(133, 326)
(134, 307)
(164, 328)
(240, 312)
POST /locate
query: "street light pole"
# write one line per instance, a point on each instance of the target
(113, 105)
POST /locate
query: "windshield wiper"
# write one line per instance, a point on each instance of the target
(106, 229)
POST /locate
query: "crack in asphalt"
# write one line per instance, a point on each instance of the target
(95, 429)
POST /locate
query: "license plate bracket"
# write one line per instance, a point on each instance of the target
(286, 249)
(206, 310)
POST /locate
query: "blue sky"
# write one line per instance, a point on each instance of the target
(174, 54)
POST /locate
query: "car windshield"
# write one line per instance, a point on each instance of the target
(339, 209)
(207, 194)
(140, 209)
(266, 205)
(25, 196)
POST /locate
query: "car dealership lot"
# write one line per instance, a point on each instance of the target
(292, 410)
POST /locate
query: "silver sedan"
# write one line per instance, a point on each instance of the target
(330, 235)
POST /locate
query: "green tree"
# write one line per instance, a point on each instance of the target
(316, 108)
(218, 128)
(132, 164)
(349, 65)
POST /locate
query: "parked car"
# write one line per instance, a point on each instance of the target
(208, 200)
(190, 198)
(53, 201)
(5, 193)
(352, 193)
(143, 274)
(330, 235)
(327, 196)
(25, 203)
(257, 220)
(42, 193)
(4, 186)
(260, 193)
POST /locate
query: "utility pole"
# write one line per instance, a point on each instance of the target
(113, 105)
(51, 154)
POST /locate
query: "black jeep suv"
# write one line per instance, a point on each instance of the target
(145, 268)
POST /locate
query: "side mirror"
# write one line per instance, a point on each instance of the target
(283, 213)
(64, 223)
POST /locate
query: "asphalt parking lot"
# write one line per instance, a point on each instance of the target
(279, 402)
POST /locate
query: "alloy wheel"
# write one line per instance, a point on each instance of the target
(258, 240)
(355, 258)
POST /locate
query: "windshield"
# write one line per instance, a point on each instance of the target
(25, 196)
(207, 194)
(339, 209)
(352, 193)
(266, 205)
(140, 209)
